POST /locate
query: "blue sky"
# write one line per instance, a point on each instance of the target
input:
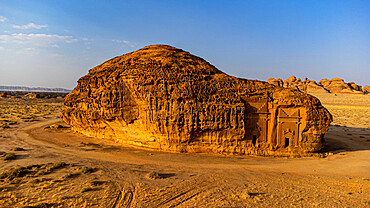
(54, 43)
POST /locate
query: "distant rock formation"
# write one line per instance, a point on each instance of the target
(32, 95)
(277, 82)
(335, 85)
(366, 89)
(33, 89)
(165, 98)
(3, 95)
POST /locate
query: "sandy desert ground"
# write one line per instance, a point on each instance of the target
(53, 167)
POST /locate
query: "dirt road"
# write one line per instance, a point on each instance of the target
(101, 173)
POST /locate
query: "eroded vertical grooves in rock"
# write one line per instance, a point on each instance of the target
(165, 98)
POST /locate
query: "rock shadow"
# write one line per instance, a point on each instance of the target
(346, 139)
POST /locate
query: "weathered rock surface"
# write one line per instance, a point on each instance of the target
(277, 82)
(165, 98)
(337, 85)
(366, 89)
(334, 85)
(307, 85)
(3, 95)
(32, 95)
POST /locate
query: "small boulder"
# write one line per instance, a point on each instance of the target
(3, 95)
(33, 95)
(366, 89)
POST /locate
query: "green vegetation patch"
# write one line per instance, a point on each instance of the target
(7, 156)
(85, 170)
(97, 183)
(17, 149)
(31, 170)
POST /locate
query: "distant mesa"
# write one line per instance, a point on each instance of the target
(164, 98)
(33, 89)
(32, 95)
(334, 85)
(32, 92)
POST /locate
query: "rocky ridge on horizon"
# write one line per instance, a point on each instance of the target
(335, 85)
(32, 89)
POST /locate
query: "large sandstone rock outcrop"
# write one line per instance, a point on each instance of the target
(165, 98)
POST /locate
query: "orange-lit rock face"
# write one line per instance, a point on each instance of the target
(165, 98)
(334, 85)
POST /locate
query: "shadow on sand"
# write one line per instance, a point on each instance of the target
(346, 139)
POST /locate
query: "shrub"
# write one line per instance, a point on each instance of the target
(7, 156)
(85, 170)
(154, 175)
(86, 189)
(14, 172)
(17, 149)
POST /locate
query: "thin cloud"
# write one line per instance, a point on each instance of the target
(29, 26)
(3, 19)
(86, 41)
(28, 51)
(55, 55)
(126, 42)
(36, 39)
(1, 47)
